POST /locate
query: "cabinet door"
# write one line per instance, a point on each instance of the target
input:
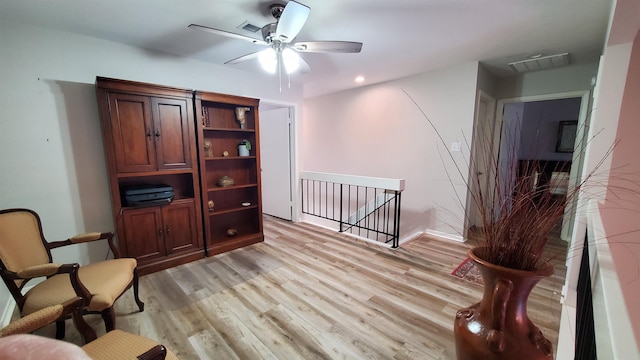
(132, 128)
(171, 133)
(143, 233)
(180, 226)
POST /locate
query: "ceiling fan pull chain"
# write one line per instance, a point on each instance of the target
(279, 59)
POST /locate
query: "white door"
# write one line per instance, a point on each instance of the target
(483, 150)
(275, 153)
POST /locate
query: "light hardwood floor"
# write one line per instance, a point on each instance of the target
(309, 293)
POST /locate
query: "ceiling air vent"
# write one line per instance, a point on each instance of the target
(249, 27)
(539, 62)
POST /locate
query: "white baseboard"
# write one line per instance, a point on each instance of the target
(415, 236)
(444, 235)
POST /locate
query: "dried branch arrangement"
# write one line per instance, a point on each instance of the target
(519, 212)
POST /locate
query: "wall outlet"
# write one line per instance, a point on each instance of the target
(455, 147)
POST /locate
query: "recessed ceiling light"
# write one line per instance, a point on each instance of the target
(359, 79)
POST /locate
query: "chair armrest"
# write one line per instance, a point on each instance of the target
(158, 352)
(53, 269)
(48, 269)
(88, 237)
(40, 318)
(38, 271)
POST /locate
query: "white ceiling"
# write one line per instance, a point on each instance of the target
(401, 37)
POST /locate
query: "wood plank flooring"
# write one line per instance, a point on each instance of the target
(309, 293)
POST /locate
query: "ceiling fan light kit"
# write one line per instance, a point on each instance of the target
(282, 53)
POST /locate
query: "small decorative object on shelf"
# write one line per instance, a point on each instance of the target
(205, 117)
(208, 151)
(226, 181)
(241, 116)
(232, 232)
(244, 147)
(211, 205)
(246, 204)
(225, 153)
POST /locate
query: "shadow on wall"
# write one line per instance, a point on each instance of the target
(77, 112)
(414, 223)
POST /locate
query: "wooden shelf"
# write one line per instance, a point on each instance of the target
(223, 133)
(154, 173)
(229, 129)
(233, 187)
(227, 158)
(227, 211)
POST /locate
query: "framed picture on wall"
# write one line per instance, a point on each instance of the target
(566, 136)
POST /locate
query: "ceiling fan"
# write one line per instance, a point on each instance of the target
(278, 36)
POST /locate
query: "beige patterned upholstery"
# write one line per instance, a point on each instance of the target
(85, 237)
(25, 254)
(114, 345)
(105, 280)
(41, 318)
(21, 242)
(39, 270)
(118, 344)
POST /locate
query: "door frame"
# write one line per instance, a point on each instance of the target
(477, 147)
(293, 146)
(577, 160)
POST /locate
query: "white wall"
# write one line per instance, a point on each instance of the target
(378, 131)
(487, 82)
(559, 80)
(50, 138)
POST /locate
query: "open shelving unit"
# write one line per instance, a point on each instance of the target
(233, 212)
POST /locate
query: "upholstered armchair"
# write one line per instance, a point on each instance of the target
(26, 255)
(115, 344)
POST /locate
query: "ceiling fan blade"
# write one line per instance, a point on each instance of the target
(328, 46)
(291, 21)
(244, 58)
(227, 34)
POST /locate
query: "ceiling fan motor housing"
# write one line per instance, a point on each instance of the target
(276, 10)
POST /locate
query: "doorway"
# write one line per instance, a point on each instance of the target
(532, 125)
(277, 159)
(481, 169)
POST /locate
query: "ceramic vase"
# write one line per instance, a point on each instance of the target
(242, 150)
(498, 327)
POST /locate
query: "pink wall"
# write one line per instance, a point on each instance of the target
(621, 210)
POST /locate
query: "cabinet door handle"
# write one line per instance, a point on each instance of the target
(160, 232)
(157, 133)
(168, 231)
(148, 132)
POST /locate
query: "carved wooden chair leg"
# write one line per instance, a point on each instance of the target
(88, 335)
(135, 291)
(60, 329)
(109, 317)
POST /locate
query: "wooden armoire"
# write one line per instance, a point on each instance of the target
(153, 137)
(150, 139)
